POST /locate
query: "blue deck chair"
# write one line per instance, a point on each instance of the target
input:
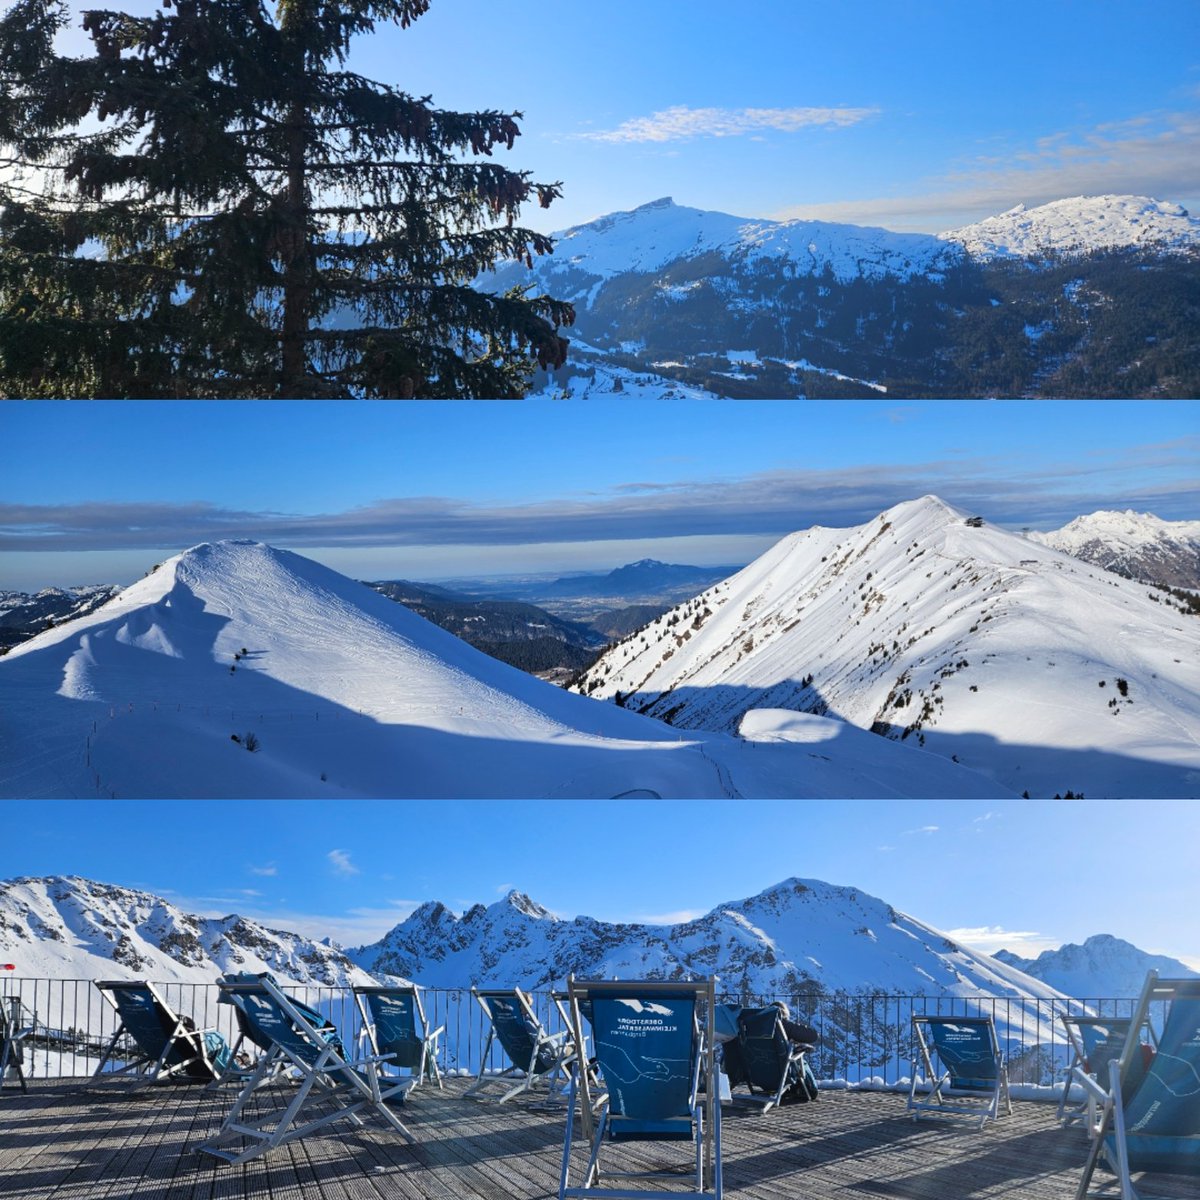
(1150, 1120)
(240, 1066)
(535, 1056)
(331, 1087)
(394, 1021)
(654, 1049)
(166, 1046)
(1093, 1040)
(762, 1057)
(973, 1081)
(17, 1023)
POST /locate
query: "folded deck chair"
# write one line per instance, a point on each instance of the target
(394, 1020)
(331, 1087)
(973, 1080)
(1150, 1119)
(1094, 1040)
(654, 1048)
(16, 1024)
(165, 1046)
(535, 1056)
(762, 1057)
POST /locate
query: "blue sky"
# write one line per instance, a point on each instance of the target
(102, 491)
(1022, 875)
(916, 115)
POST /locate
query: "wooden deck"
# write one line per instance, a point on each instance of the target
(104, 1143)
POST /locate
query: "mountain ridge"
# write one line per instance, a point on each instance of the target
(1102, 966)
(1087, 296)
(919, 624)
(335, 690)
(1136, 545)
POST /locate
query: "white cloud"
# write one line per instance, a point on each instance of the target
(340, 861)
(680, 122)
(679, 917)
(923, 829)
(990, 938)
(1154, 155)
(269, 869)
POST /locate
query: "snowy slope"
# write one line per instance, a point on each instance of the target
(348, 693)
(799, 936)
(65, 927)
(1137, 545)
(654, 235)
(1079, 225)
(1102, 967)
(1024, 663)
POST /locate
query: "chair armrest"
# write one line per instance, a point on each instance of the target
(1089, 1085)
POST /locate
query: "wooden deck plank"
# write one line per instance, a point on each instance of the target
(60, 1142)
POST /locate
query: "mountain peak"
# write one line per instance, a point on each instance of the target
(527, 907)
(1136, 545)
(1079, 225)
(662, 202)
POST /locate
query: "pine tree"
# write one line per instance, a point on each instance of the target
(213, 204)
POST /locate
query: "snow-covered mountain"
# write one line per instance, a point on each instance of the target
(23, 614)
(65, 927)
(1103, 966)
(235, 669)
(678, 300)
(1137, 545)
(930, 627)
(662, 232)
(799, 936)
(1081, 225)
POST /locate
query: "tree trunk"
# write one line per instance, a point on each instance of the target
(297, 268)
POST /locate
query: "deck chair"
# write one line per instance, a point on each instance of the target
(762, 1057)
(1093, 1041)
(240, 1066)
(535, 1056)
(166, 1046)
(974, 1079)
(331, 1086)
(394, 1021)
(654, 1048)
(17, 1024)
(1150, 1117)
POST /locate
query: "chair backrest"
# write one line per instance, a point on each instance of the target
(517, 1028)
(398, 1020)
(765, 1048)
(144, 1013)
(1097, 1039)
(155, 1027)
(273, 1018)
(646, 1040)
(968, 1049)
(1161, 1101)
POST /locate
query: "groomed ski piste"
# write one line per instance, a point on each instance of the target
(349, 694)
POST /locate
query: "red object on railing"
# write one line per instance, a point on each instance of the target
(8, 966)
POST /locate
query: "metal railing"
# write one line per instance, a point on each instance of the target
(865, 1039)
